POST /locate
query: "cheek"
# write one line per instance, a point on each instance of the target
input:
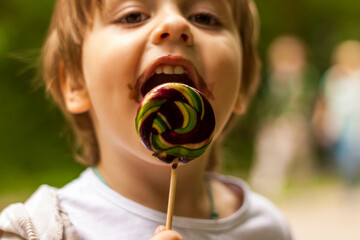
(110, 61)
(224, 77)
(109, 66)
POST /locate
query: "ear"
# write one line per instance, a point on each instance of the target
(76, 97)
(240, 104)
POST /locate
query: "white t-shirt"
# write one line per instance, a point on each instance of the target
(98, 212)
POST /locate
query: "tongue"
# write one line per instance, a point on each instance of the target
(158, 79)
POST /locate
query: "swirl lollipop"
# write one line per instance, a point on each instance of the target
(176, 122)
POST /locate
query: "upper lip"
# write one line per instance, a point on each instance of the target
(173, 61)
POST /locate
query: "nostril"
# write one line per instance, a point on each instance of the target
(184, 37)
(164, 35)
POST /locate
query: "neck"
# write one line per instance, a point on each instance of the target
(147, 183)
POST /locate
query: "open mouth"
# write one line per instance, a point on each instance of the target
(168, 69)
(166, 74)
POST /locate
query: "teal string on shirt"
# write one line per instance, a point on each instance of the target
(96, 171)
(213, 213)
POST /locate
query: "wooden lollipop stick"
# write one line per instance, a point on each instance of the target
(172, 190)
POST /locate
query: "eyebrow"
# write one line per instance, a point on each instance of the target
(231, 2)
(108, 5)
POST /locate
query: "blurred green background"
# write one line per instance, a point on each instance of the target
(34, 141)
(34, 145)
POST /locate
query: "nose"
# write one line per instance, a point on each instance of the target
(174, 28)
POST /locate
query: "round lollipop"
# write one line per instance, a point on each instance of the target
(176, 122)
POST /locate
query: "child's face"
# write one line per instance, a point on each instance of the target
(130, 40)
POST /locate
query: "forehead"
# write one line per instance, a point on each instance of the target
(112, 3)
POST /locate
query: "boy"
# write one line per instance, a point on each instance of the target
(97, 59)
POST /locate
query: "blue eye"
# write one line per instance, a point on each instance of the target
(205, 19)
(133, 18)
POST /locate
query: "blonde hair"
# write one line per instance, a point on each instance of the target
(63, 47)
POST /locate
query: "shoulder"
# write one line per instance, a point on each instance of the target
(262, 207)
(267, 216)
(258, 215)
(38, 217)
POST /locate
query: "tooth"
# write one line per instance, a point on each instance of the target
(168, 69)
(159, 70)
(179, 70)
